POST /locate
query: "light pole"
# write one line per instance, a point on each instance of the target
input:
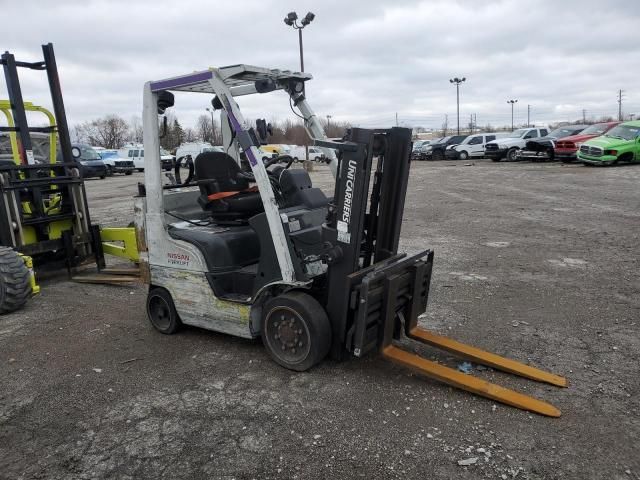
(292, 20)
(328, 121)
(457, 81)
(211, 111)
(512, 102)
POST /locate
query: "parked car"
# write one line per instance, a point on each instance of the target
(567, 148)
(472, 146)
(89, 161)
(420, 153)
(299, 153)
(542, 149)
(114, 163)
(508, 146)
(436, 149)
(136, 154)
(620, 144)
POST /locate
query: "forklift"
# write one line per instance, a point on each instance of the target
(45, 223)
(260, 252)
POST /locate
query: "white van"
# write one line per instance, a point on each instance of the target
(196, 148)
(136, 154)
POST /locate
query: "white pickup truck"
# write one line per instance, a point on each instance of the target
(508, 146)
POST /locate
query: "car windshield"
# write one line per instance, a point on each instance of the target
(518, 133)
(624, 132)
(561, 132)
(104, 155)
(88, 153)
(441, 140)
(595, 129)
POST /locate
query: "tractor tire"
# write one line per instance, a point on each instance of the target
(463, 155)
(15, 288)
(161, 311)
(296, 331)
(511, 154)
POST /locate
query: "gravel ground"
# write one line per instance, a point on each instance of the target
(538, 262)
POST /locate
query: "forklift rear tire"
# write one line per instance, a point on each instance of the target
(162, 311)
(15, 288)
(296, 331)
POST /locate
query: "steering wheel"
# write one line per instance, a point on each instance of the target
(188, 162)
(278, 159)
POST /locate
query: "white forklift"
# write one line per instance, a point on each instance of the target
(251, 248)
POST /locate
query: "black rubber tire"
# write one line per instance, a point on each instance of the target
(109, 171)
(463, 155)
(128, 172)
(102, 177)
(15, 288)
(511, 154)
(495, 159)
(437, 155)
(295, 159)
(311, 337)
(161, 311)
(140, 169)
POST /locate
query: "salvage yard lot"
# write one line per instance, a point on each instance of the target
(538, 262)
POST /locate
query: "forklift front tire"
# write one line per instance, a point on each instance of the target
(162, 311)
(296, 331)
(15, 288)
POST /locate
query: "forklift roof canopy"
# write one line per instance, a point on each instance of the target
(237, 77)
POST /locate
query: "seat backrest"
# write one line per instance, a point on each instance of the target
(218, 172)
(297, 189)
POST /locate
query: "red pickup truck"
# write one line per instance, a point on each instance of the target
(567, 148)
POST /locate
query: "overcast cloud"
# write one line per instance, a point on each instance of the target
(370, 59)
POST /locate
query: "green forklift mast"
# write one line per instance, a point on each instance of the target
(43, 208)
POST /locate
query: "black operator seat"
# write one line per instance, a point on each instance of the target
(297, 190)
(224, 191)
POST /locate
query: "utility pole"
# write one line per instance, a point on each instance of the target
(528, 115)
(396, 119)
(457, 81)
(512, 102)
(471, 124)
(620, 92)
(584, 116)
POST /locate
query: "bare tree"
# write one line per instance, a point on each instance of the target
(108, 132)
(190, 135)
(204, 130)
(445, 126)
(136, 131)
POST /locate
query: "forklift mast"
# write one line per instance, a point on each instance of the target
(44, 210)
(363, 228)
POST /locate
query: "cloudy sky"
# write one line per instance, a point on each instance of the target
(370, 59)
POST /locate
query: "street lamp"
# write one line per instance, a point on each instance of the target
(292, 20)
(328, 121)
(457, 81)
(512, 102)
